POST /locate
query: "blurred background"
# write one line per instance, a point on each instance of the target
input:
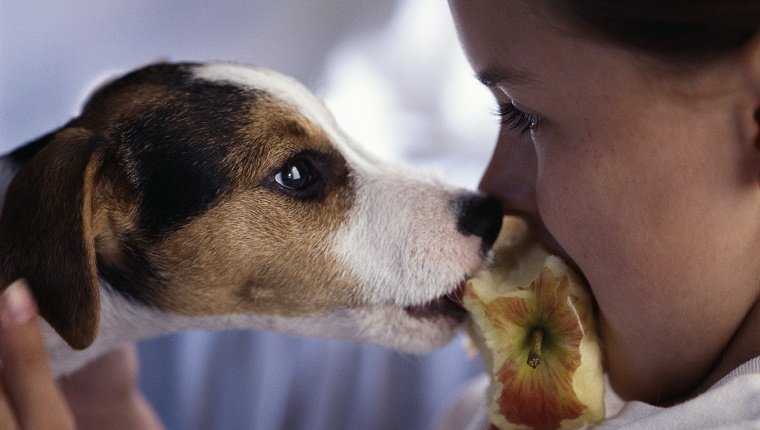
(395, 78)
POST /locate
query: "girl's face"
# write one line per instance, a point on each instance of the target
(647, 180)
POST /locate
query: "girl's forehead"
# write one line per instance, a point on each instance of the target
(507, 43)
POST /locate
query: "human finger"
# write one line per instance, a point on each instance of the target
(31, 390)
(7, 416)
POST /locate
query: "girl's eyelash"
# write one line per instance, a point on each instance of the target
(515, 119)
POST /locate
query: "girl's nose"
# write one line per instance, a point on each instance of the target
(511, 175)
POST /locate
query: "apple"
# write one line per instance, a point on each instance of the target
(533, 322)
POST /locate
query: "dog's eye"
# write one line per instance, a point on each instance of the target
(296, 175)
(304, 176)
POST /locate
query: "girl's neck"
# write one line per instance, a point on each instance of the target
(741, 348)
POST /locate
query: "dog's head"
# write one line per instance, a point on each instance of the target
(219, 189)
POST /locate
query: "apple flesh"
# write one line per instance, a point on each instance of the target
(533, 322)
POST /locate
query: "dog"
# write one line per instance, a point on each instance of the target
(219, 195)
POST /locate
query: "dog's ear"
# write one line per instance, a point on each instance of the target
(46, 234)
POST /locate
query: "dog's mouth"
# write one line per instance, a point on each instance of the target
(448, 305)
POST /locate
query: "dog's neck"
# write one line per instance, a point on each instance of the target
(123, 321)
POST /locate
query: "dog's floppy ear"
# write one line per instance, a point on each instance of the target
(46, 234)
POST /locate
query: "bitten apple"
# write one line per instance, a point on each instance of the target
(534, 324)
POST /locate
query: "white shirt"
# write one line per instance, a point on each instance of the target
(732, 403)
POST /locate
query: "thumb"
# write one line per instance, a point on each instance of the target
(29, 384)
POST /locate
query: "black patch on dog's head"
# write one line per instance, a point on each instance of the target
(173, 148)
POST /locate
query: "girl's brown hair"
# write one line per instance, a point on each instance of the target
(676, 31)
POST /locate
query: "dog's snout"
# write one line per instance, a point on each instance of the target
(480, 216)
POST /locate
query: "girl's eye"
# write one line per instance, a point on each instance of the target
(515, 119)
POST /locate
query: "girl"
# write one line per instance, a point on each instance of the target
(631, 139)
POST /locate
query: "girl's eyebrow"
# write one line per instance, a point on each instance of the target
(492, 76)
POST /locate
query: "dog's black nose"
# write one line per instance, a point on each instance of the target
(480, 216)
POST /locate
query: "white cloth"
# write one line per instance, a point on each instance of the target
(732, 403)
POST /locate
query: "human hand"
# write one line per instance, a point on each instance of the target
(105, 394)
(102, 395)
(29, 395)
